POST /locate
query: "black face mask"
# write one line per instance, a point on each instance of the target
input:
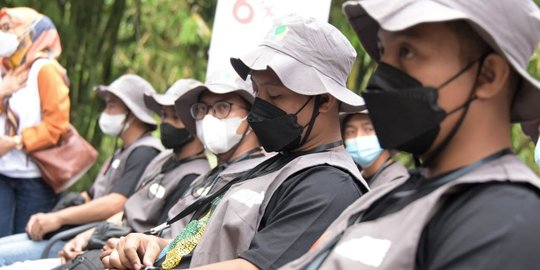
(405, 114)
(173, 138)
(276, 130)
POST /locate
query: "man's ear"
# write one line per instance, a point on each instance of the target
(493, 77)
(328, 102)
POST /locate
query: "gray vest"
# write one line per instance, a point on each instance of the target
(143, 209)
(391, 242)
(196, 191)
(236, 219)
(106, 179)
(394, 171)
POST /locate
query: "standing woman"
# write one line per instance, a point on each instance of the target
(34, 112)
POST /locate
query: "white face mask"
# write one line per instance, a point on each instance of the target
(8, 44)
(112, 124)
(219, 135)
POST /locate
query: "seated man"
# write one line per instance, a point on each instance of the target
(224, 133)
(126, 118)
(273, 213)
(451, 78)
(361, 142)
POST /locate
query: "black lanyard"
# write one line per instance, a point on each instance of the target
(211, 177)
(268, 166)
(376, 210)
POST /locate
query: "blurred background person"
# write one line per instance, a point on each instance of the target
(376, 164)
(35, 112)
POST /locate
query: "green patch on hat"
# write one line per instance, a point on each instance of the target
(280, 32)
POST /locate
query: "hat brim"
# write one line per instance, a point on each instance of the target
(305, 80)
(526, 103)
(344, 115)
(155, 102)
(367, 17)
(134, 108)
(182, 105)
(530, 129)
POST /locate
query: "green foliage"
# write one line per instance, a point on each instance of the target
(162, 41)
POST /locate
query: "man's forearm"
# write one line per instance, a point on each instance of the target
(116, 218)
(95, 210)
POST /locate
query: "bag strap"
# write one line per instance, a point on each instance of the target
(12, 121)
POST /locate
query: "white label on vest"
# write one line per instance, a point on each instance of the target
(202, 191)
(367, 250)
(115, 164)
(157, 190)
(248, 197)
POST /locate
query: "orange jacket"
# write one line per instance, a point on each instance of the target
(55, 104)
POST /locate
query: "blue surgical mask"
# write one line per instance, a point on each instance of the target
(537, 152)
(364, 149)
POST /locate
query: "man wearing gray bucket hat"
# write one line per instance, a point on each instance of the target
(216, 112)
(126, 117)
(172, 171)
(451, 78)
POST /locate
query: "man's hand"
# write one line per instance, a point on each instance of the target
(75, 246)
(41, 224)
(126, 254)
(13, 81)
(111, 244)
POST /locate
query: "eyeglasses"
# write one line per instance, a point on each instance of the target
(220, 109)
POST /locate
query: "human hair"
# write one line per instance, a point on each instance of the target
(471, 44)
(247, 104)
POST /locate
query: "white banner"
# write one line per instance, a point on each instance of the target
(239, 25)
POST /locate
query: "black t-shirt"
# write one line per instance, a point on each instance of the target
(298, 213)
(136, 163)
(488, 226)
(178, 192)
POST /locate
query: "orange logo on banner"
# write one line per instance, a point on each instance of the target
(240, 7)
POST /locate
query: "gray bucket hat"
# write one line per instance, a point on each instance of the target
(310, 57)
(511, 27)
(131, 89)
(155, 101)
(344, 115)
(219, 82)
